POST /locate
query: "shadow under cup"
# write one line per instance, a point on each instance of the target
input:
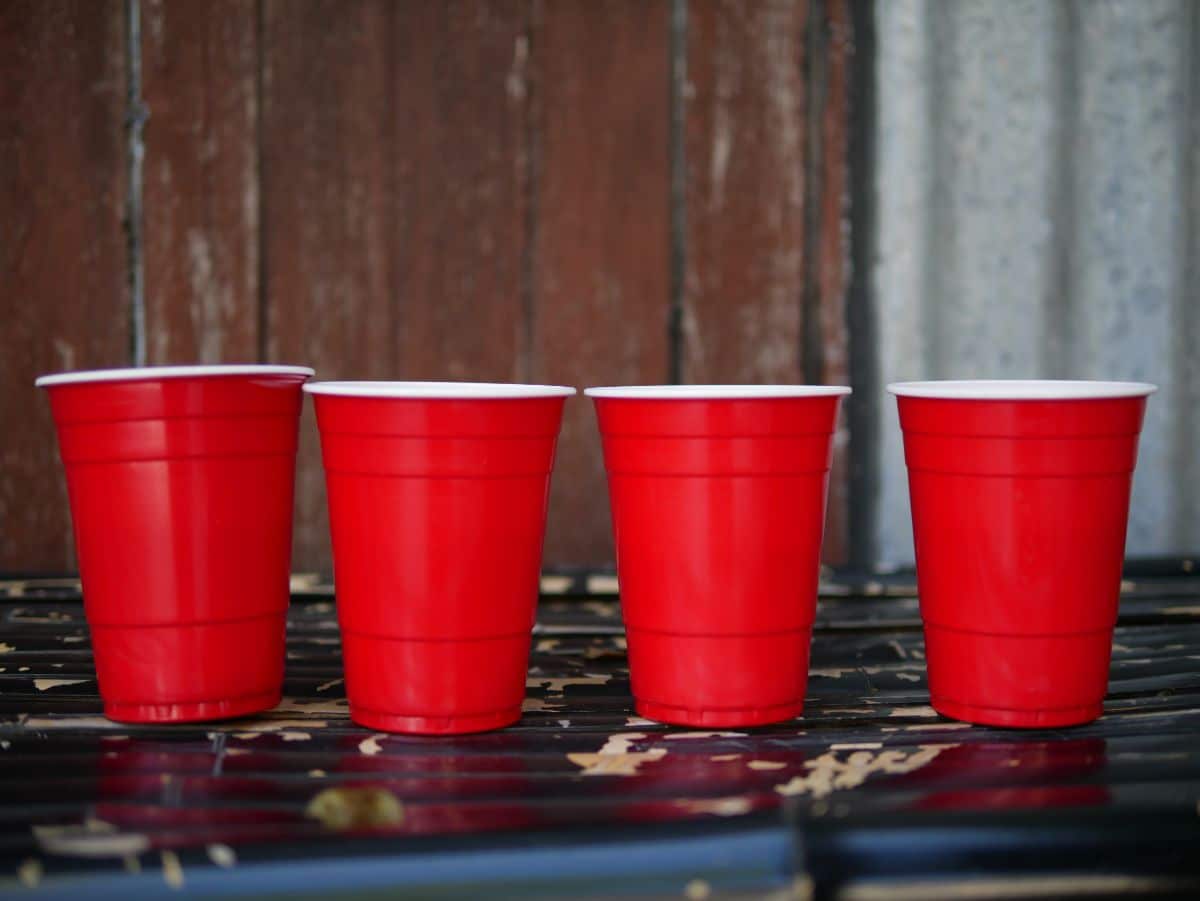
(1020, 501)
(437, 509)
(718, 502)
(181, 489)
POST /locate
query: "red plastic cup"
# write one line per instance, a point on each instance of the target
(180, 481)
(437, 508)
(718, 504)
(1020, 499)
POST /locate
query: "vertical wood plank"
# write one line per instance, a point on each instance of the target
(601, 277)
(765, 203)
(327, 139)
(200, 200)
(827, 297)
(63, 293)
(461, 185)
(745, 197)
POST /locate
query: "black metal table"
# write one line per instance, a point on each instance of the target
(870, 795)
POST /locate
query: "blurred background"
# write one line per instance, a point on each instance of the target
(605, 191)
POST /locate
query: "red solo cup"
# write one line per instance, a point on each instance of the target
(718, 503)
(437, 508)
(1020, 498)
(180, 480)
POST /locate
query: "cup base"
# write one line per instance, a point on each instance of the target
(1017, 719)
(743, 716)
(434, 725)
(191, 711)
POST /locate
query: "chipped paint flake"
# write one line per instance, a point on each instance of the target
(920, 711)
(536, 705)
(555, 584)
(857, 746)
(43, 684)
(222, 855)
(91, 838)
(829, 773)
(639, 721)
(6, 648)
(172, 870)
(596, 652)
(833, 672)
(325, 686)
(317, 707)
(602, 584)
(765, 765)
(720, 758)
(370, 746)
(908, 677)
(558, 685)
(546, 644)
(721, 807)
(615, 758)
(259, 727)
(304, 581)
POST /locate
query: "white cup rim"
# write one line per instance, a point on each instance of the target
(1021, 389)
(438, 390)
(715, 392)
(142, 373)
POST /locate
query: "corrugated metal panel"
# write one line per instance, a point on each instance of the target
(1035, 215)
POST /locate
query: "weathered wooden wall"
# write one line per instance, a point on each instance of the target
(573, 191)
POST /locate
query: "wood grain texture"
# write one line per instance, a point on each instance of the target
(200, 200)
(462, 176)
(826, 322)
(327, 139)
(62, 249)
(765, 205)
(601, 280)
(745, 132)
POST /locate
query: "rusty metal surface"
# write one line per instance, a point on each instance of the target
(1036, 193)
(869, 792)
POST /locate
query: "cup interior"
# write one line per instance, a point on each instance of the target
(1021, 389)
(715, 392)
(438, 390)
(141, 373)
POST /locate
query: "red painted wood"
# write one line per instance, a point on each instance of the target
(200, 195)
(327, 163)
(601, 280)
(63, 293)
